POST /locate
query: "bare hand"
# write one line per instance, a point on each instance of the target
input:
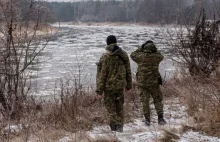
(127, 91)
(99, 97)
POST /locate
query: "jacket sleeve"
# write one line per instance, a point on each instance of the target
(161, 56)
(128, 73)
(137, 56)
(101, 77)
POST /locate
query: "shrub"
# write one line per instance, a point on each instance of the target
(198, 47)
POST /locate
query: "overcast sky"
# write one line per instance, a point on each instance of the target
(62, 0)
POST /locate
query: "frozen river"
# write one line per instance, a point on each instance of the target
(80, 47)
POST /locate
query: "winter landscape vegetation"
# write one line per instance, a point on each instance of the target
(49, 51)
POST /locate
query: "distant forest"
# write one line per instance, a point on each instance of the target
(150, 11)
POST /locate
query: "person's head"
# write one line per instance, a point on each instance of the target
(149, 41)
(149, 45)
(111, 40)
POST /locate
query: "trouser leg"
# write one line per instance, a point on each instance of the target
(110, 105)
(157, 99)
(145, 99)
(119, 107)
(114, 102)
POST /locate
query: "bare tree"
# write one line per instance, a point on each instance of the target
(19, 46)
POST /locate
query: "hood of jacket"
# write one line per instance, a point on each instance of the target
(150, 47)
(114, 50)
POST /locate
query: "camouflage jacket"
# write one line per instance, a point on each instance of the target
(148, 60)
(113, 72)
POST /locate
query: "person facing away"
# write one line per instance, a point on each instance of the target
(148, 59)
(113, 76)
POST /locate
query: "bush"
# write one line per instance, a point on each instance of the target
(199, 47)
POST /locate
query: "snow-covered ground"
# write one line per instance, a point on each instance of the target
(179, 125)
(197, 137)
(136, 131)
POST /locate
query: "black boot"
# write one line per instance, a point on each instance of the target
(119, 128)
(161, 121)
(147, 121)
(113, 127)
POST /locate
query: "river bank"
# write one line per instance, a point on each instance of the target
(130, 24)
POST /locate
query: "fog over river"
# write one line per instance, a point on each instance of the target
(80, 47)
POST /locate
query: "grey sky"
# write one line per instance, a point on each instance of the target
(62, 0)
(189, 1)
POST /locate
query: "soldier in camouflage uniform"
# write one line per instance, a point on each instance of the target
(148, 59)
(113, 76)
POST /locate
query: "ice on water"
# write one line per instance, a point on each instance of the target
(77, 45)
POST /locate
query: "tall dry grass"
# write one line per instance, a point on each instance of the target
(202, 97)
(66, 111)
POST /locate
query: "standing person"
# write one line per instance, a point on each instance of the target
(113, 76)
(148, 59)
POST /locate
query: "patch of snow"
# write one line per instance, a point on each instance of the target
(175, 115)
(137, 131)
(65, 139)
(13, 128)
(197, 137)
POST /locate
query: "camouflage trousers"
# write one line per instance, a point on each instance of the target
(145, 94)
(114, 101)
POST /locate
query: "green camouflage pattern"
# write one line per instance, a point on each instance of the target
(156, 94)
(113, 72)
(150, 47)
(148, 62)
(114, 104)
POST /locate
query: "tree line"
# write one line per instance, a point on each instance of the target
(150, 11)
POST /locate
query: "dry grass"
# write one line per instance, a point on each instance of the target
(169, 89)
(186, 128)
(70, 112)
(73, 112)
(201, 95)
(169, 136)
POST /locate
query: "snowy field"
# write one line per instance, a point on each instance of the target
(82, 46)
